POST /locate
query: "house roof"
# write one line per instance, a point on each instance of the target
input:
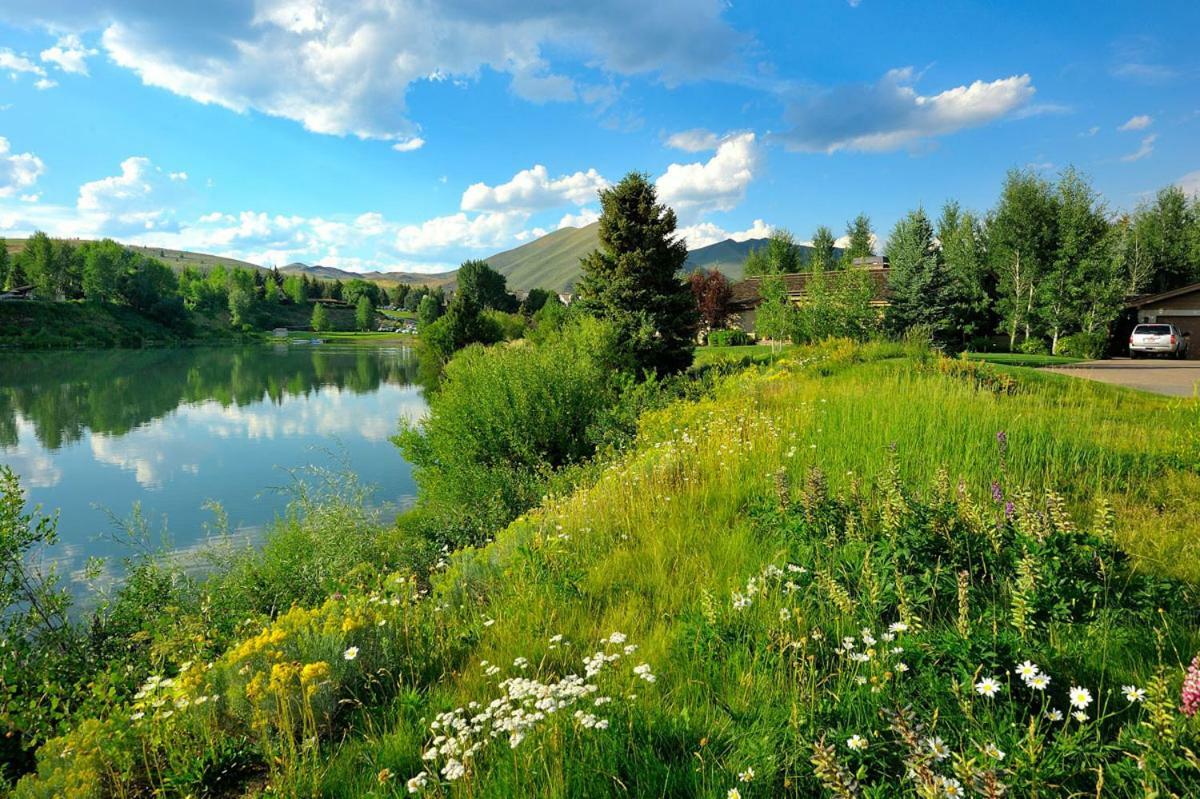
(745, 292)
(1142, 300)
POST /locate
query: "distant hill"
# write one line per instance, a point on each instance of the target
(177, 259)
(552, 262)
(387, 278)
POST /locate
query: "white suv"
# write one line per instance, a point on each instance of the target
(1157, 339)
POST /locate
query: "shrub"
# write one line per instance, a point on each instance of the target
(512, 326)
(1084, 345)
(505, 418)
(1034, 346)
(728, 338)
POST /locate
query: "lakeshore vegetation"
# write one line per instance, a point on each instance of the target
(852, 568)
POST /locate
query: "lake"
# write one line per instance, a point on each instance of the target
(94, 433)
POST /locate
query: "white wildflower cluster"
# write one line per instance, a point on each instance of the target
(524, 705)
(758, 585)
(160, 697)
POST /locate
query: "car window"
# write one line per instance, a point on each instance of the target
(1153, 330)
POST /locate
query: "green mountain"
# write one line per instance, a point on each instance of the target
(552, 262)
(388, 278)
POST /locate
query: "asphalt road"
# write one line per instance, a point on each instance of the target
(1175, 378)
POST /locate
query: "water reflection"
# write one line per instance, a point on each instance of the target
(93, 433)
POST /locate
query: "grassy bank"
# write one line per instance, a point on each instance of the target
(355, 338)
(819, 580)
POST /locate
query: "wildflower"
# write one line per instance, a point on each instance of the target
(137, 716)
(867, 638)
(1079, 716)
(488, 622)
(740, 601)
(1038, 682)
(1054, 714)
(351, 653)
(991, 750)
(987, 687)
(417, 784)
(937, 748)
(1133, 693)
(952, 788)
(784, 615)
(521, 663)
(384, 776)
(616, 638)
(453, 770)
(1080, 697)
(747, 775)
(1189, 694)
(897, 627)
(997, 492)
(643, 671)
(733, 793)
(856, 743)
(902, 667)
(1027, 671)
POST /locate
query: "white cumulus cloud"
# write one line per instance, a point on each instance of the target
(534, 190)
(585, 217)
(345, 67)
(409, 145)
(696, 140)
(1190, 183)
(492, 229)
(706, 233)
(139, 199)
(718, 184)
(69, 54)
(891, 114)
(18, 171)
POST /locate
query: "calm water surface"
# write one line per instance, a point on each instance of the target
(93, 433)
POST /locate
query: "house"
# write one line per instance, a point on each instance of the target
(17, 293)
(744, 303)
(1179, 307)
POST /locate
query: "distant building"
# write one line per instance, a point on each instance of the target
(746, 299)
(18, 293)
(1179, 307)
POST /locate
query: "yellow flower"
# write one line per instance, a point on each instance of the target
(314, 672)
(254, 688)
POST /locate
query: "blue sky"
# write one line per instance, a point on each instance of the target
(413, 135)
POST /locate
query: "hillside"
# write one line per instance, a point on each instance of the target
(177, 259)
(384, 278)
(552, 262)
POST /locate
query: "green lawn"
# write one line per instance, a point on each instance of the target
(745, 355)
(353, 337)
(1021, 359)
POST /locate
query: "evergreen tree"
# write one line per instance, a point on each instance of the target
(859, 233)
(320, 318)
(633, 279)
(1021, 244)
(364, 312)
(918, 281)
(824, 256)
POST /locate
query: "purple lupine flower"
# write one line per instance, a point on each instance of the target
(1002, 440)
(1009, 509)
(997, 492)
(1189, 695)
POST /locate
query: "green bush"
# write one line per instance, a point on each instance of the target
(1083, 345)
(1033, 346)
(728, 338)
(504, 419)
(512, 326)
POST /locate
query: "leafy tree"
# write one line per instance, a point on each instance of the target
(358, 287)
(320, 318)
(918, 280)
(836, 304)
(271, 292)
(412, 300)
(295, 289)
(364, 312)
(37, 264)
(15, 276)
(824, 256)
(1169, 229)
(633, 280)
(860, 236)
(486, 287)
(777, 318)
(332, 289)
(1021, 244)
(428, 310)
(1076, 291)
(4, 261)
(537, 299)
(969, 298)
(241, 297)
(399, 293)
(780, 255)
(103, 264)
(712, 294)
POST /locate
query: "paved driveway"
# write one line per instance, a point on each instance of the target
(1176, 378)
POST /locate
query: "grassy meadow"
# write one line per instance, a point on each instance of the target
(852, 570)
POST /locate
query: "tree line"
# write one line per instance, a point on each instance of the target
(1050, 265)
